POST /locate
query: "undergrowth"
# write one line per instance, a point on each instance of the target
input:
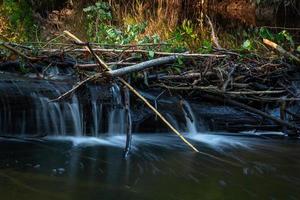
(16, 21)
(104, 26)
(142, 22)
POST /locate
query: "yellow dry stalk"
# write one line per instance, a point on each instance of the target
(6, 32)
(3, 25)
(162, 16)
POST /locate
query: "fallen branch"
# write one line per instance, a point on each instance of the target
(281, 50)
(213, 34)
(95, 76)
(229, 78)
(215, 89)
(18, 52)
(93, 65)
(141, 66)
(98, 50)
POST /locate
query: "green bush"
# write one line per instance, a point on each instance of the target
(20, 20)
(102, 30)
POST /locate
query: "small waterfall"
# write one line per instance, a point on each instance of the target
(191, 122)
(116, 119)
(53, 118)
(26, 109)
(97, 112)
(76, 116)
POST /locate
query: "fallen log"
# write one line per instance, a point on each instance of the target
(141, 66)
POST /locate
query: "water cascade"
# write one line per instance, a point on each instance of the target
(116, 121)
(191, 121)
(26, 108)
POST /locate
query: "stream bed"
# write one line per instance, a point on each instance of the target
(160, 166)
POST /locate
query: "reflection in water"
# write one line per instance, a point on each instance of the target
(160, 167)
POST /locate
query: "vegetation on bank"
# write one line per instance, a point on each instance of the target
(16, 21)
(139, 23)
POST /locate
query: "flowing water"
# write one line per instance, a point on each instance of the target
(81, 156)
(159, 167)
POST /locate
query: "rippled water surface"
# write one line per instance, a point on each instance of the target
(159, 167)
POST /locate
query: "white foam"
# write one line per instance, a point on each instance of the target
(88, 141)
(219, 141)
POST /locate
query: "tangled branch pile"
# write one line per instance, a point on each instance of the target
(256, 84)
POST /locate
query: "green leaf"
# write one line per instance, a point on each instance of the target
(207, 45)
(247, 45)
(179, 60)
(286, 36)
(298, 48)
(265, 33)
(177, 69)
(151, 54)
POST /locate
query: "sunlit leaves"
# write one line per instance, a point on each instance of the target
(247, 45)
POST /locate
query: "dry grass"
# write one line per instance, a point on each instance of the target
(163, 16)
(5, 30)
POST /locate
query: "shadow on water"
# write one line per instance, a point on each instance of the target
(159, 167)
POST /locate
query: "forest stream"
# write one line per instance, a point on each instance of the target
(175, 100)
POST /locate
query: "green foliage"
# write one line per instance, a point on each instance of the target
(185, 37)
(265, 33)
(102, 30)
(19, 16)
(247, 45)
(282, 38)
(151, 54)
(188, 30)
(206, 46)
(98, 18)
(285, 36)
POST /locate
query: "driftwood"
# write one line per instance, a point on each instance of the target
(141, 66)
(9, 47)
(214, 89)
(281, 50)
(93, 65)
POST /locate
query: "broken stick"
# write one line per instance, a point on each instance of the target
(281, 50)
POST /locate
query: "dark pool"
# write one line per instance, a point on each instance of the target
(159, 167)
